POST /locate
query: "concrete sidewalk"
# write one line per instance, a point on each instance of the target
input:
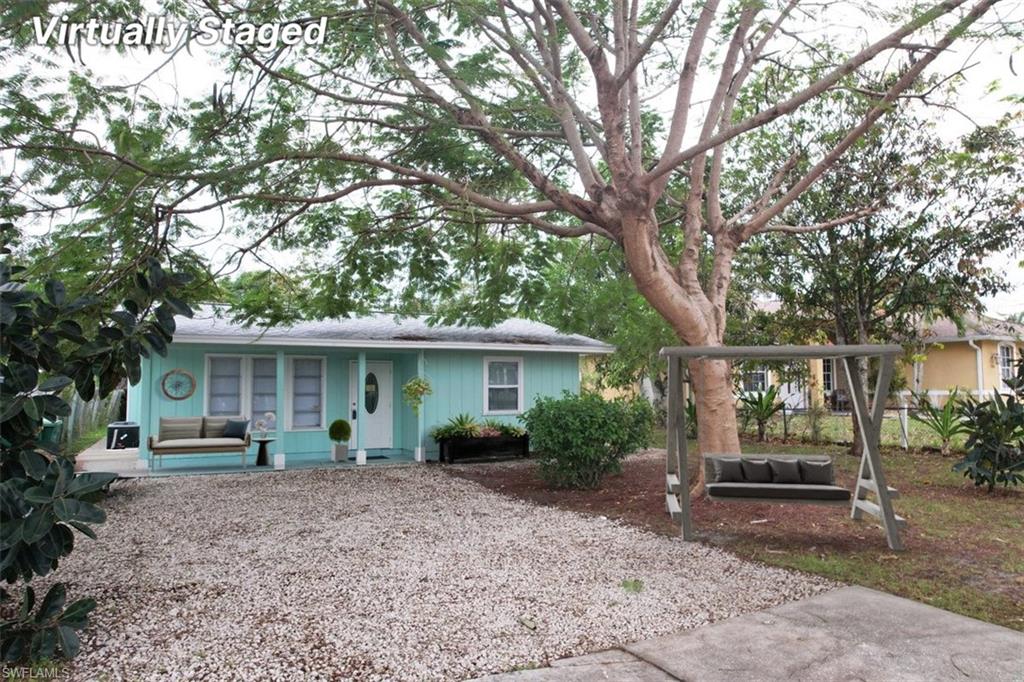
(852, 633)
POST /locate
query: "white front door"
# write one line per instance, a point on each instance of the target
(379, 389)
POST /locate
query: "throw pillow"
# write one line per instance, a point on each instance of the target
(727, 470)
(785, 470)
(235, 428)
(757, 471)
(817, 473)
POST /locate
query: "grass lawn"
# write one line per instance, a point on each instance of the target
(964, 547)
(85, 439)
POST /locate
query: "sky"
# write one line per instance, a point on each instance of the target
(193, 75)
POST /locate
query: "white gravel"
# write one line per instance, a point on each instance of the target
(379, 574)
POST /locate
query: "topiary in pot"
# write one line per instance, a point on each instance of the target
(340, 431)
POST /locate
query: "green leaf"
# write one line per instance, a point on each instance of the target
(53, 603)
(23, 377)
(84, 529)
(55, 292)
(28, 602)
(77, 510)
(33, 463)
(36, 525)
(44, 643)
(39, 495)
(10, 533)
(77, 614)
(13, 408)
(68, 640)
(90, 482)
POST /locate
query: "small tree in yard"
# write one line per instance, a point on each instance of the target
(995, 437)
(45, 350)
(580, 439)
(942, 210)
(443, 145)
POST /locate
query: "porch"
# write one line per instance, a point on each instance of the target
(296, 392)
(130, 463)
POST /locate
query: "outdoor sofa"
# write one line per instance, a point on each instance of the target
(197, 436)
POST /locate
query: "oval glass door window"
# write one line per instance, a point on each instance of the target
(372, 393)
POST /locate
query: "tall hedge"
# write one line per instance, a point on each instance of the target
(581, 438)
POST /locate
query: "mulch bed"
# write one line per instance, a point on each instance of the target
(964, 556)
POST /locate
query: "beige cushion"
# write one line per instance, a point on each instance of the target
(176, 428)
(213, 427)
(200, 443)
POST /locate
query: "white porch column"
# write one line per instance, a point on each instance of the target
(361, 409)
(279, 456)
(420, 454)
(147, 409)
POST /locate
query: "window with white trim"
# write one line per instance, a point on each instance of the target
(307, 394)
(241, 385)
(756, 380)
(828, 368)
(224, 386)
(503, 385)
(1006, 362)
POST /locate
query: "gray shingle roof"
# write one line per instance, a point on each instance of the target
(380, 329)
(975, 327)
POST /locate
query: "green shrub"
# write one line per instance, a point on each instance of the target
(581, 438)
(340, 431)
(946, 422)
(44, 350)
(995, 437)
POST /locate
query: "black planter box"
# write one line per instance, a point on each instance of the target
(490, 446)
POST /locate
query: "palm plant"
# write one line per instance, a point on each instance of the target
(946, 422)
(761, 407)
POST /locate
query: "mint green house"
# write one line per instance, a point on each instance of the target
(297, 380)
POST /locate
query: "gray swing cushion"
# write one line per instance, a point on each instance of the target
(817, 473)
(785, 470)
(727, 469)
(756, 471)
(778, 491)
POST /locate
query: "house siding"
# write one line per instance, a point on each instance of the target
(954, 365)
(456, 379)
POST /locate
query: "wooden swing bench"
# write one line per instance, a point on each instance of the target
(783, 479)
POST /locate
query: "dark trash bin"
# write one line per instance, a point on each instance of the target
(52, 431)
(121, 435)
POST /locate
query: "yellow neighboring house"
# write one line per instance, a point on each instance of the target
(976, 360)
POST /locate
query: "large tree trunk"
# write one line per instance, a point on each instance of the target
(698, 321)
(716, 410)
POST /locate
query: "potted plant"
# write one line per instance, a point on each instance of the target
(340, 431)
(413, 392)
(463, 436)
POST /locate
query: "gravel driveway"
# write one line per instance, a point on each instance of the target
(387, 573)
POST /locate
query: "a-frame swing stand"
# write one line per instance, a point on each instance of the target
(870, 477)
